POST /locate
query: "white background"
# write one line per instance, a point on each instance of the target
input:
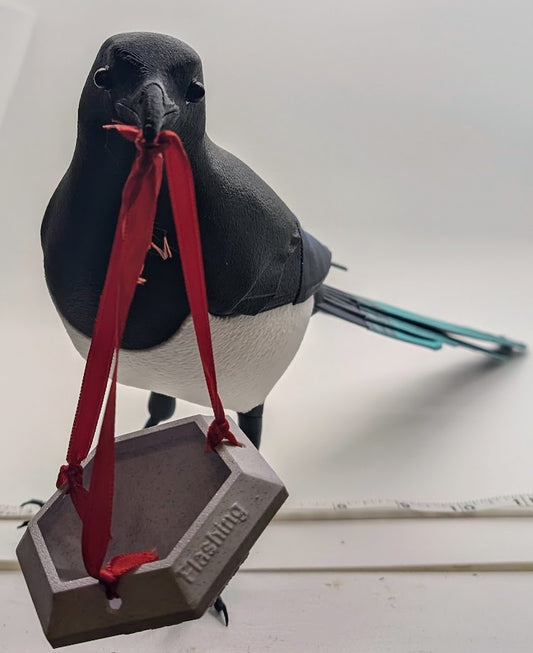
(400, 134)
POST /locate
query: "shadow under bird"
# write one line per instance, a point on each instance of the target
(264, 274)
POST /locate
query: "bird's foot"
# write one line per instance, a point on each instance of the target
(220, 607)
(31, 502)
(160, 408)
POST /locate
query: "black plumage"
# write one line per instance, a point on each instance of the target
(256, 255)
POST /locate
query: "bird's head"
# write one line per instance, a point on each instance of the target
(152, 81)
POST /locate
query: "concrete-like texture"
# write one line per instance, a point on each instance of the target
(201, 512)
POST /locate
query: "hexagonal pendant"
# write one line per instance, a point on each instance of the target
(201, 512)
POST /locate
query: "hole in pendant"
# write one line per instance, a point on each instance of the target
(115, 604)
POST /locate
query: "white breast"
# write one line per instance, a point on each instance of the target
(251, 353)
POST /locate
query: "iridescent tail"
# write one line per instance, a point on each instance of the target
(410, 327)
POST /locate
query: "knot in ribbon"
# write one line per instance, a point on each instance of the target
(109, 580)
(218, 431)
(150, 148)
(120, 565)
(72, 474)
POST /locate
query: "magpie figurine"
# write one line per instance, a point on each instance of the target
(264, 274)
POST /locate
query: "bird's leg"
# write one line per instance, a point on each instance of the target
(252, 423)
(160, 407)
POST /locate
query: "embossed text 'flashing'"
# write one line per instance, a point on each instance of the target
(213, 540)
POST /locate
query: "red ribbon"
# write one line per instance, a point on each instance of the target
(132, 240)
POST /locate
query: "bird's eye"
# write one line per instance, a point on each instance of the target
(102, 78)
(195, 92)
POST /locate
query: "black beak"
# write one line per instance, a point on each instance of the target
(151, 109)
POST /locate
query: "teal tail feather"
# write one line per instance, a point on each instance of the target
(410, 327)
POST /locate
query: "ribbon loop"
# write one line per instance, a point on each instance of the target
(133, 237)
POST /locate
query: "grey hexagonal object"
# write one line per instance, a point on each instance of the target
(202, 512)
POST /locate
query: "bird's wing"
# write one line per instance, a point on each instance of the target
(257, 257)
(316, 261)
(285, 270)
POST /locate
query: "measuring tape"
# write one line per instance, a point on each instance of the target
(22, 513)
(512, 505)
